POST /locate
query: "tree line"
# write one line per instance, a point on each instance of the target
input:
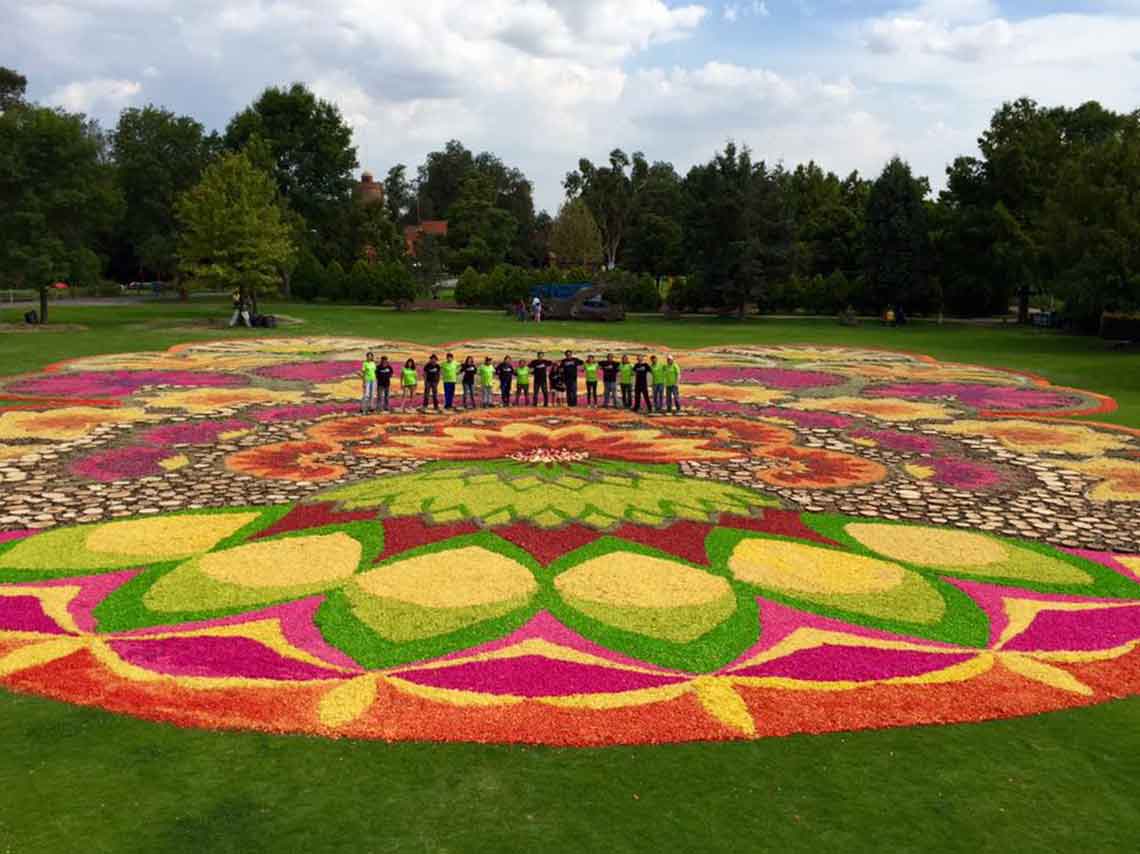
(1048, 210)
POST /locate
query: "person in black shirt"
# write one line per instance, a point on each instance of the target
(570, 367)
(469, 371)
(384, 373)
(557, 386)
(540, 366)
(431, 382)
(609, 369)
(506, 374)
(641, 374)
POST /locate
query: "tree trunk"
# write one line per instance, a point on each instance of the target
(285, 281)
(43, 303)
(1023, 305)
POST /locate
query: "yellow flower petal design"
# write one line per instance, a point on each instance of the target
(462, 578)
(36, 654)
(883, 408)
(290, 562)
(807, 569)
(71, 422)
(929, 546)
(720, 699)
(1039, 437)
(210, 399)
(347, 701)
(1046, 674)
(165, 538)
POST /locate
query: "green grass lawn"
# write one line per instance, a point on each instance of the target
(73, 779)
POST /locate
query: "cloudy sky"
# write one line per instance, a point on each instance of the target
(543, 82)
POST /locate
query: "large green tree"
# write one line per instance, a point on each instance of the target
(311, 149)
(654, 241)
(897, 246)
(158, 156)
(12, 88)
(232, 231)
(58, 199)
(440, 180)
(611, 193)
(479, 232)
(575, 238)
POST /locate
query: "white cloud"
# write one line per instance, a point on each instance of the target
(84, 96)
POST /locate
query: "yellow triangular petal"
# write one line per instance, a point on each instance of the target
(33, 655)
(347, 701)
(720, 700)
(1046, 674)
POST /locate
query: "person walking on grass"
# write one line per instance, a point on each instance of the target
(625, 377)
(487, 381)
(469, 372)
(540, 366)
(672, 385)
(570, 366)
(450, 373)
(368, 384)
(591, 371)
(522, 382)
(610, 370)
(506, 372)
(642, 373)
(384, 384)
(408, 383)
(431, 382)
(657, 371)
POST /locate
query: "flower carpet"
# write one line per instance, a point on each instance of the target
(826, 539)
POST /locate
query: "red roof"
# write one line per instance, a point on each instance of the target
(414, 233)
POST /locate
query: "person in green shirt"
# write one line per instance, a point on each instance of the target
(591, 369)
(450, 371)
(522, 382)
(625, 376)
(672, 385)
(658, 371)
(368, 381)
(408, 383)
(487, 381)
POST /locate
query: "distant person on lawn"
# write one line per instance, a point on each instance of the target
(241, 311)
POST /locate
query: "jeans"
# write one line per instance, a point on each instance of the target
(448, 395)
(432, 390)
(368, 398)
(488, 396)
(505, 388)
(640, 392)
(673, 397)
(382, 397)
(540, 385)
(572, 391)
(627, 395)
(609, 394)
(658, 397)
(468, 396)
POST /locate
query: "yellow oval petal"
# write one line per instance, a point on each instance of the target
(807, 569)
(461, 578)
(166, 537)
(290, 562)
(627, 579)
(929, 546)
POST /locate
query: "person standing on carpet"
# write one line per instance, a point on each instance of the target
(557, 384)
(522, 383)
(431, 382)
(408, 383)
(384, 373)
(642, 372)
(450, 373)
(540, 366)
(469, 371)
(625, 377)
(506, 373)
(368, 383)
(570, 365)
(657, 371)
(591, 371)
(610, 370)
(672, 385)
(487, 381)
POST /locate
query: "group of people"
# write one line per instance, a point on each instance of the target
(652, 384)
(534, 312)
